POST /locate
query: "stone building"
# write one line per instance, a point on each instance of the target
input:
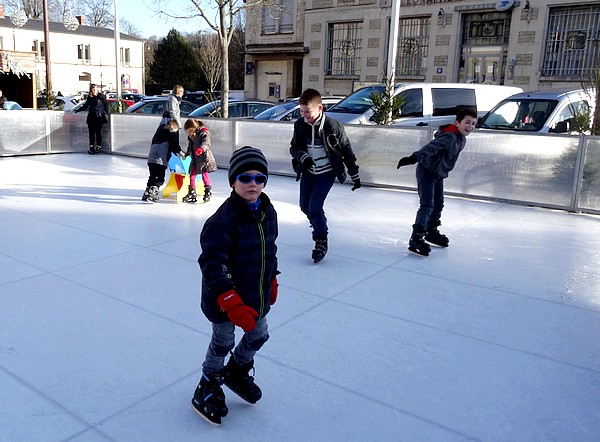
(77, 58)
(337, 46)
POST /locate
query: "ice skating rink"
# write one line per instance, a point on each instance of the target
(496, 338)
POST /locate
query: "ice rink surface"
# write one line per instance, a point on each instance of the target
(496, 338)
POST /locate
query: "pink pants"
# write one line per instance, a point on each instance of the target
(205, 180)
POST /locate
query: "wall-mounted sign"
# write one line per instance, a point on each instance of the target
(504, 5)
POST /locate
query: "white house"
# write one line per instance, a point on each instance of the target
(77, 58)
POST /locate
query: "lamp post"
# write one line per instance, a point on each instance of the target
(117, 58)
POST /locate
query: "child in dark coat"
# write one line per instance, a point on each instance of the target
(203, 161)
(164, 143)
(239, 283)
(436, 159)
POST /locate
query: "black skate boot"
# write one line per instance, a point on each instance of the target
(434, 236)
(147, 194)
(207, 194)
(209, 399)
(98, 147)
(320, 250)
(191, 197)
(238, 379)
(92, 149)
(153, 197)
(417, 245)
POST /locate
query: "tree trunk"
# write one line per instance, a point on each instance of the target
(223, 35)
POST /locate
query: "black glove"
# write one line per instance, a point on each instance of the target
(357, 185)
(407, 160)
(308, 162)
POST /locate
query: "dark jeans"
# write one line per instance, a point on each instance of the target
(431, 200)
(95, 133)
(313, 191)
(156, 175)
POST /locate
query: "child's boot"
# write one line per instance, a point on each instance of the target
(320, 250)
(191, 197)
(92, 149)
(238, 379)
(207, 194)
(417, 245)
(147, 194)
(153, 194)
(209, 399)
(98, 147)
(434, 236)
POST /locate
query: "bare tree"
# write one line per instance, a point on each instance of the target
(33, 8)
(220, 16)
(209, 57)
(126, 27)
(98, 13)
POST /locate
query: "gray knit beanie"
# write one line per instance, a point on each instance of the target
(244, 159)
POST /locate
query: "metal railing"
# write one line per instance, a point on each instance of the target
(549, 170)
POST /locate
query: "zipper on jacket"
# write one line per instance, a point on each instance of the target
(263, 253)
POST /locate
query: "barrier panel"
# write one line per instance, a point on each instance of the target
(547, 170)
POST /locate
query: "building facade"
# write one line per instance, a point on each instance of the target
(336, 46)
(77, 58)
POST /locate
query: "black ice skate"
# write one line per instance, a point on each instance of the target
(153, 197)
(320, 250)
(207, 194)
(209, 400)
(191, 197)
(417, 245)
(434, 236)
(92, 149)
(147, 194)
(238, 379)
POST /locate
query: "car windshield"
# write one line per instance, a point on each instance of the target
(206, 109)
(358, 102)
(527, 115)
(276, 111)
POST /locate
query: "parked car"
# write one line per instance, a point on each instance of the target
(549, 111)
(236, 109)
(199, 97)
(12, 105)
(425, 104)
(156, 105)
(135, 97)
(290, 110)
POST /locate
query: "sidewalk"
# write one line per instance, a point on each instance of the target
(495, 338)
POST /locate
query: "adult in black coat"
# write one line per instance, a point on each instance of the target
(98, 111)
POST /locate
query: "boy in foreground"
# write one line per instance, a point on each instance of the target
(436, 159)
(239, 283)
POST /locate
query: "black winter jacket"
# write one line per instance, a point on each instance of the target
(238, 253)
(97, 108)
(440, 154)
(338, 148)
(164, 143)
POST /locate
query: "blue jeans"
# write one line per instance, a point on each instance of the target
(313, 191)
(431, 200)
(223, 341)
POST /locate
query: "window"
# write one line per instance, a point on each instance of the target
(445, 100)
(84, 53)
(572, 42)
(413, 46)
(487, 28)
(344, 43)
(39, 48)
(125, 57)
(278, 17)
(413, 102)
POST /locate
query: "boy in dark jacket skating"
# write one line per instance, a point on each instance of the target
(436, 159)
(239, 284)
(321, 153)
(164, 143)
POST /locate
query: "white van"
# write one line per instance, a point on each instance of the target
(550, 111)
(425, 104)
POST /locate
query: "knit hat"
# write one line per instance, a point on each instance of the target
(245, 159)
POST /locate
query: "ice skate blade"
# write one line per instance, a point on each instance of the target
(437, 244)
(416, 252)
(216, 422)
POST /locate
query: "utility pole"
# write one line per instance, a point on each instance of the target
(47, 41)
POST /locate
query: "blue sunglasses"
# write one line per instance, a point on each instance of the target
(246, 178)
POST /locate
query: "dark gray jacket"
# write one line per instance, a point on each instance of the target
(440, 154)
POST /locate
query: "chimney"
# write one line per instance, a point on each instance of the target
(1, 10)
(80, 19)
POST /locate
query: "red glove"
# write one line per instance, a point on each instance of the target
(199, 151)
(274, 290)
(239, 313)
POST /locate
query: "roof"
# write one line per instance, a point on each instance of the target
(59, 28)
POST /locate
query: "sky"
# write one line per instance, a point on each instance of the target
(143, 14)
